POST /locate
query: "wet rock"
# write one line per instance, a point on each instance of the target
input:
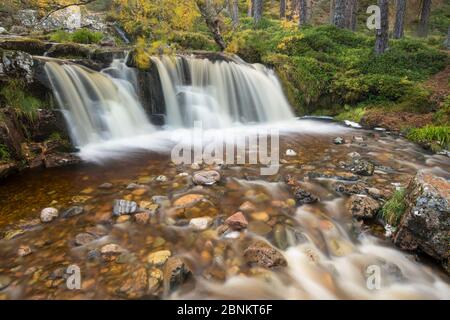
(123, 219)
(110, 251)
(49, 214)
(304, 197)
(247, 206)
(264, 255)
(237, 221)
(425, 226)
(154, 280)
(354, 155)
(124, 207)
(340, 176)
(82, 239)
(350, 188)
(280, 236)
(72, 212)
(260, 228)
(161, 201)
(201, 223)
(206, 178)
(5, 281)
(142, 217)
(60, 159)
(158, 258)
(189, 200)
(176, 272)
(362, 207)
(24, 250)
(3, 30)
(93, 255)
(339, 140)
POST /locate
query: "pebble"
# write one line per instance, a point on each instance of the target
(188, 200)
(105, 185)
(82, 239)
(237, 221)
(49, 214)
(110, 251)
(304, 197)
(247, 206)
(206, 178)
(264, 255)
(176, 272)
(291, 153)
(201, 223)
(142, 217)
(158, 258)
(339, 140)
(260, 216)
(24, 250)
(124, 207)
(161, 178)
(123, 219)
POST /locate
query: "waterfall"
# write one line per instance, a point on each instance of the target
(220, 93)
(97, 106)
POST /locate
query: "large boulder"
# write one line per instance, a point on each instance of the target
(68, 19)
(16, 64)
(425, 226)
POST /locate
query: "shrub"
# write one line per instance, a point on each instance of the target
(352, 114)
(394, 208)
(24, 104)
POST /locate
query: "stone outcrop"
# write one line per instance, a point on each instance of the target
(425, 226)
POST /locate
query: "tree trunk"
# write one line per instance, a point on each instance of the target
(258, 11)
(212, 21)
(235, 12)
(399, 19)
(353, 15)
(382, 34)
(339, 17)
(424, 18)
(282, 9)
(303, 16)
(251, 6)
(332, 5)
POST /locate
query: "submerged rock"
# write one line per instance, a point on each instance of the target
(206, 178)
(158, 258)
(24, 250)
(361, 167)
(426, 222)
(362, 207)
(82, 239)
(201, 223)
(109, 252)
(124, 207)
(176, 272)
(49, 214)
(264, 255)
(136, 285)
(73, 211)
(5, 281)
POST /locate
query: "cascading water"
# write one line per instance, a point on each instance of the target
(220, 94)
(98, 107)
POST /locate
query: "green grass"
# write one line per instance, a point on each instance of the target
(4, 153)
(354, 114)
(394, 208)
(431, 134)
(24, 104)
(84, 36)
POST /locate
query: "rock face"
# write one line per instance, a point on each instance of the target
(426, 222)
(264, 255)
(362, 207)
(16, 64)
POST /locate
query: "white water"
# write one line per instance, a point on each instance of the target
(220, 93)
(97, 107)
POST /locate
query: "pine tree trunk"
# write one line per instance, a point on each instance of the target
(212, 22)
(251, 5)
(282, 9)
(424, 18)
(303, 16)
(258, 11)
(399, 19)
(332, 5)
(382, 34)
(339, 18)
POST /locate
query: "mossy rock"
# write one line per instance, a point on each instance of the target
(28, 45)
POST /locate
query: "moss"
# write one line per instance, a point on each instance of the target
(193, 41)
(352, 114)
(4, 153)
(394, 208)
(83, 35)
(23, 103)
